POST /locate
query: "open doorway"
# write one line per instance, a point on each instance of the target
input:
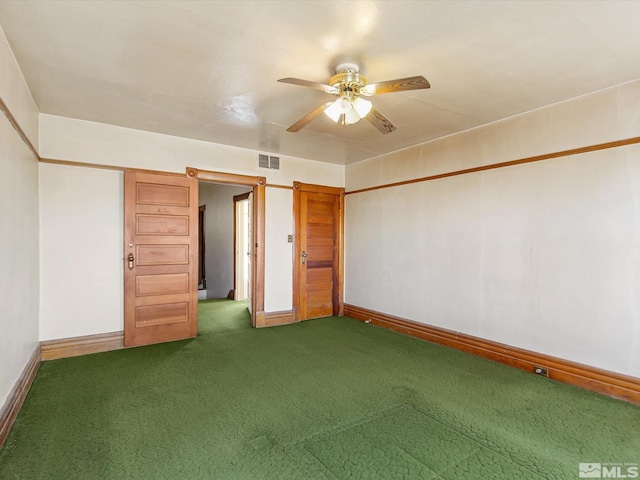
(202, 274)
(242, 242)
(219, 250)
(256, 187)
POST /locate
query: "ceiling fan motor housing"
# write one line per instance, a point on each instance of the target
(347, 80)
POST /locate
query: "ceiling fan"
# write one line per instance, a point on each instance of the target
(350, 107)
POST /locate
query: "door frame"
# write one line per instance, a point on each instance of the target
(258, 224)
(298, 188)
(236, 199)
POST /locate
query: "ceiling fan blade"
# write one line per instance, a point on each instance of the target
(307, 83)
(379, 121)
(304, 121)
(398, 85)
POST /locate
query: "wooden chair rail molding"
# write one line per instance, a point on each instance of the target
(4, 109)
(16, 126)
(510, 163)
(608, 383)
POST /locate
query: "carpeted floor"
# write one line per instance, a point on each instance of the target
(323, 399)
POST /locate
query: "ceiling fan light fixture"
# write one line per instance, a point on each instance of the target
(362, 106)
(335, 110)
(351, 116)
(353, 110)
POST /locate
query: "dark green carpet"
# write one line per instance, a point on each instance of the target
(324, 399)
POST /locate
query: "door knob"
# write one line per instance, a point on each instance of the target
(304, 257)
(130, 259)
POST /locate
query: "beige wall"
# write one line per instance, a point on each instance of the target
(80, 141)
(97, 214)
(543, 256)
(19, 282)
(15, 92)
(81, 235)
(278, 266)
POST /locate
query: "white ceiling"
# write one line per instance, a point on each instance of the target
(208, 69)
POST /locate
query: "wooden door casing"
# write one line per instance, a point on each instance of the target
(318, 278)
(258, 236)
(161, 237)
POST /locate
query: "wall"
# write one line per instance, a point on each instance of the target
(220, 250)
(19, 281)
(81, 238)
(543, 256)
(278, 265)
(81, 141)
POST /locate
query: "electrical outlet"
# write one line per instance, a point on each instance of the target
(542, 371)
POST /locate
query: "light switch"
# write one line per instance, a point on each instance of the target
(290, 238)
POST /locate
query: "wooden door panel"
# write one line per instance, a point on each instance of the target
(320, 275)
(161, 226)
(160, 314)
(319, 311)
(168, 283)
(321, 240)
(321, 202)
(320, 219)
(147, 300)
(319, 297)
(315, 230)
(319, 253)
(156, 194)
(320, 213)
(319, 223)
(149, 255)
(317, 286)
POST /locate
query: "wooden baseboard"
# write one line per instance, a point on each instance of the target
(605, 382)
(14, 402)
(258, 318)
(272, 319)
(75, 346)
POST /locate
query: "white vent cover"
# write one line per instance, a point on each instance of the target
(266, 161)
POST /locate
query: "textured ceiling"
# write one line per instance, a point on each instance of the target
(209, 70)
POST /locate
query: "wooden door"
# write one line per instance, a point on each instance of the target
(161, 258)
(318, 252)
